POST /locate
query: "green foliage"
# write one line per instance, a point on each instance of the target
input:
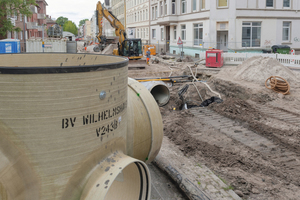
(71, 27)
(10, 8)
(82, 21)
(61, 21)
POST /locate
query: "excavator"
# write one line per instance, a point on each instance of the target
(128, 47)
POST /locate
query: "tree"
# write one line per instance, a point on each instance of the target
(61, 21)
(82, 22)
(10, 8)
(71, 27)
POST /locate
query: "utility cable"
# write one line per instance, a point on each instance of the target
(196, 80)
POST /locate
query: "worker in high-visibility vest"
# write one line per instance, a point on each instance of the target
(148, 56)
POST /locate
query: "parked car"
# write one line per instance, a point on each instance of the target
(79, 39)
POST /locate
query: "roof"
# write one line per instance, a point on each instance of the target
(9, 40)
(43, 1)
(66, 33)
(50, 21)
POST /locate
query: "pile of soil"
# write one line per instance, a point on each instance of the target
(257, 69)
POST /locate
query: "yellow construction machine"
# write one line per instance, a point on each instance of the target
(131, 48)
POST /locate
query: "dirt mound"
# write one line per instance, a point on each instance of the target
(188, 59)
(257, 69)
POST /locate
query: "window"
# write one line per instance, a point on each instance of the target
(138, 33)
(198, 34)
(21, 35)
(173, 7)
(175, 37)
(8, 34)
(286, 31)
(286, 3)
(166, 8)
(141, 16)
(161, 9)
(146, 32)
(194, 5)
(269, 3)
(16, 35)
(135, 17)
(162, 33)
(251, 33)
(183, 6)
(146, 14)
(156, 12)
(222, 3)
(153, 33)
(203, 4)
(153, 13)
(183, 32)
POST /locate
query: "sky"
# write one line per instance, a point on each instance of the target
(74, 10)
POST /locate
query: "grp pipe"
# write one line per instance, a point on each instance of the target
(159, 91)
(73, 127)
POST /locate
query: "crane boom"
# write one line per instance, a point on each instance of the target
(128, 47)
(114, 22)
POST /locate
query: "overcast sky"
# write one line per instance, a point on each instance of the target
(74, 10)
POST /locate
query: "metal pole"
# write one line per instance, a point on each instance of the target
(24, 39)
(43, 27)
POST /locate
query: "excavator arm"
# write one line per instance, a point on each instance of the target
(114, 22)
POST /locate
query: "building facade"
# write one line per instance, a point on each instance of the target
(37, 21)
(94, 28)
(31, 27)
(137, 20)
(230, 25)
(88, 30)
(118, 9)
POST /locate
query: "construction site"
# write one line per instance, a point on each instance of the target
(118, 117)
(244, 142)
(91, 125)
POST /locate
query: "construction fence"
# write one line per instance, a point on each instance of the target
(195, 47)
(231, 56)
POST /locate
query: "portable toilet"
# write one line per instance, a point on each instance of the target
(214, 58)
(9, 46)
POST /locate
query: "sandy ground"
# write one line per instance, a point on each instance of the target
(251, 140)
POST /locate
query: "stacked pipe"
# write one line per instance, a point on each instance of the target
(278, 84)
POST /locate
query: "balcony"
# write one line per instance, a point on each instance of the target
(40, 28)
(32, 25)
(33, 9)
(41, 16)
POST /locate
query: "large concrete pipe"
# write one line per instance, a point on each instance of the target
(71, 128)
(159, 91)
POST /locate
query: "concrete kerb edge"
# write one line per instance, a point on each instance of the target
(191, 191)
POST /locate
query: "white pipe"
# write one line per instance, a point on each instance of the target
(159, 91)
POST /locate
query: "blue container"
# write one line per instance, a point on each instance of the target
(9, 46)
